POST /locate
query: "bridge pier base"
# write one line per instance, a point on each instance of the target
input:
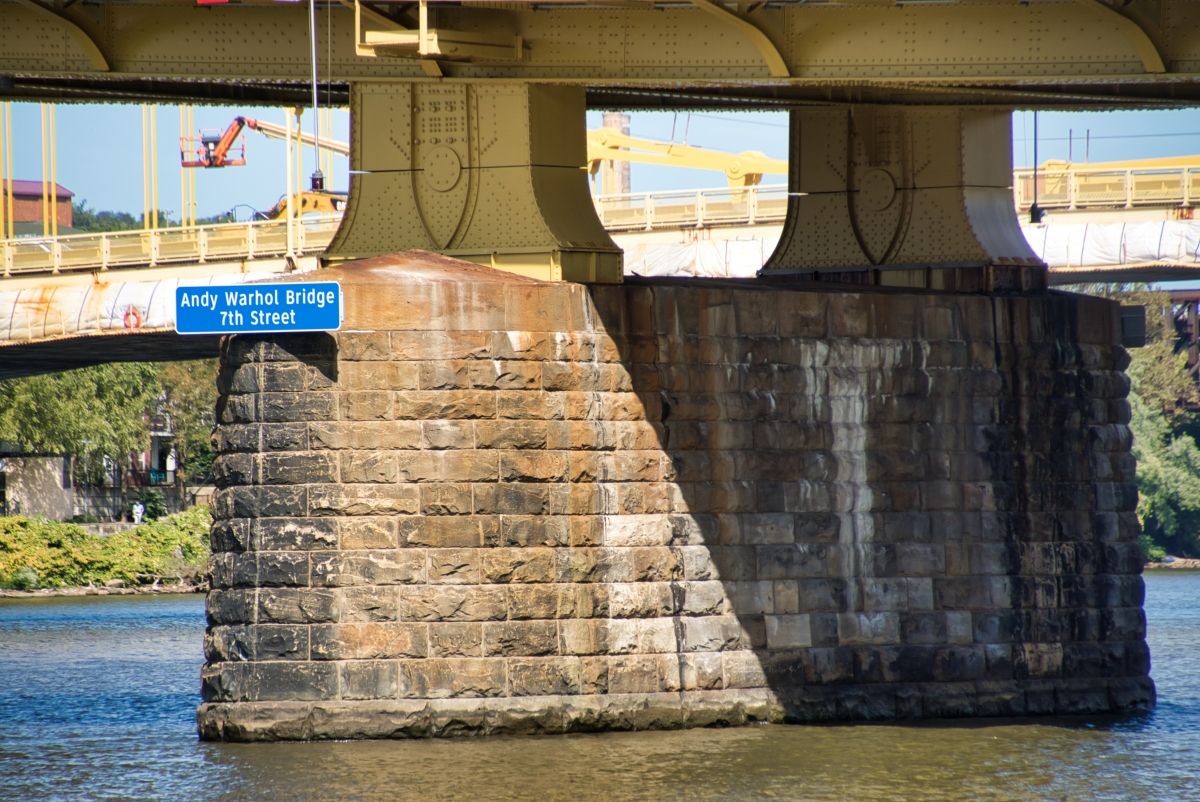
(904, 196)
(493, 504)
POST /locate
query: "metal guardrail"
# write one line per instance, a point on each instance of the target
(1077, 188)
(193, 244)
(1081, 187)
(643, 211)
(647, 211)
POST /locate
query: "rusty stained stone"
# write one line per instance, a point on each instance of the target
(503, 504)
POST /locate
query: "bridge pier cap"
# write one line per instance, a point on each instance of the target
(904, 196)
(485, 171)
(490, 172)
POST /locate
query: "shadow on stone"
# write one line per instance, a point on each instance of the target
(917, 505)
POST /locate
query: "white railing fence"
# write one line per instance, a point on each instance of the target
(1083, 187)
(164, 246)
(1078, 187)
(697, 208)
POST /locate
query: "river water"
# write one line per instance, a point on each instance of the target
(97, 698)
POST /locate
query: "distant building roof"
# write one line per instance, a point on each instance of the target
(22, 186)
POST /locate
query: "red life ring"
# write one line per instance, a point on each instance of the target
(133, 318)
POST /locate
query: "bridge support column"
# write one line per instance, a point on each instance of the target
(916, 197)
(486, 172)
(492, 504)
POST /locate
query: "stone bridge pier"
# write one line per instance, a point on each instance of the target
(891, 479)
(496, 504)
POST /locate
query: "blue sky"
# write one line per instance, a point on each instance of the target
(100, 148)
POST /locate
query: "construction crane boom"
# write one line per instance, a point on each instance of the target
(281, 132)
(744, 169)
(213, 148)
(216, 148)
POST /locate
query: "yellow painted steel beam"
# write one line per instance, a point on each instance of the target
(776, 66)
(1068, 48)
(1151, 59)
(86, 45)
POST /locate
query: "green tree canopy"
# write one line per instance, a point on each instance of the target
(89, 413)
(191, 397)
(85, 219)
(1168, 476)
(1163, 401)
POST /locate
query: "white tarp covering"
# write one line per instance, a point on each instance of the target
(1058, 244)
(1110, 244)
(36, 313)
(733, 258)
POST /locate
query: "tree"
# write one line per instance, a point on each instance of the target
(90, 220)
(85, 219)
(1168, 476)
(191, 395)
(90, 413)
(1162, 399)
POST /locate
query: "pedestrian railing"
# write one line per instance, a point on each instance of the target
(1080, 187)
(166, 246)
(1076, 187)
(647, 211)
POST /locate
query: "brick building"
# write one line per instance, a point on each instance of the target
(27, 201)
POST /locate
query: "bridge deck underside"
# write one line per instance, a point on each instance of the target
(68, 353)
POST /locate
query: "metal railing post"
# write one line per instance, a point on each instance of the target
(105, 251)
(202, 244)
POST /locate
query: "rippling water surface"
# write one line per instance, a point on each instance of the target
(97, 699)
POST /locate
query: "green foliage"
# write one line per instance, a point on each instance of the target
(154, 504)
(24, 578)
(85, 219)
(101, 411)
(89, 413)
(1168, 480)
(1150, 550)
(191, 399)
(36, 552)
(1162, 401)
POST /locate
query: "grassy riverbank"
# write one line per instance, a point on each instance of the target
(38, 554)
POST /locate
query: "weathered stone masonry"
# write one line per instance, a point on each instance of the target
(493, 504)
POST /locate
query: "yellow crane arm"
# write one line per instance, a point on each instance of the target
(744, 169)
(274, 131)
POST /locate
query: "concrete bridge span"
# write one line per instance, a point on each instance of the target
(889, 479)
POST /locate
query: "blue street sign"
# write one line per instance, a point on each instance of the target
(259, 308)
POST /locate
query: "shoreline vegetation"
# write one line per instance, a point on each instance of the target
(157, 589)
(1176, 564)
(47, 558)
